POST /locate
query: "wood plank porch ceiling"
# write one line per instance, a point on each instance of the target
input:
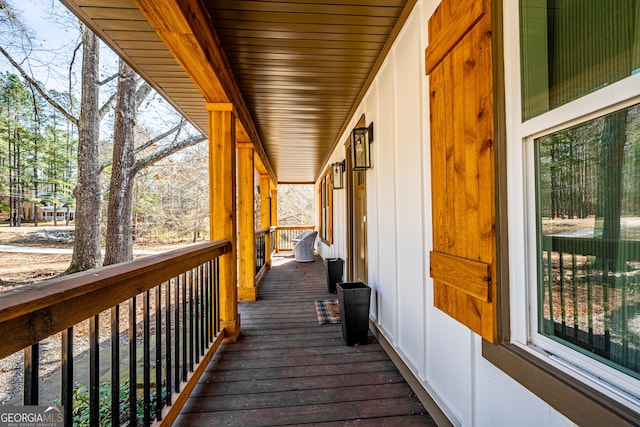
(300, 66)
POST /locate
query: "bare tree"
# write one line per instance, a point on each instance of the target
(125, 166)
(86, 250)
(128, 159)
(86, 247)
(295, 204)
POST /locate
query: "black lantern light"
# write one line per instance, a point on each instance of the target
(361, 139)
(337, 180)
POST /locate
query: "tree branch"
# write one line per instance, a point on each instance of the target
(105, 107)
(108, 79)
(141, 94)
(39, 88)
(149, 143)
(73, 60)
(162, 136)
(167, 151)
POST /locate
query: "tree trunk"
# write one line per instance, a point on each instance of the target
(86, 248)
(119, 244)
(20, 185)
(609, 205)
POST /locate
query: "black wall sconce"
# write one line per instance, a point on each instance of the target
(337, 175)
(361, 139)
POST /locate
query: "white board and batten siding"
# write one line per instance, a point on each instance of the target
(444, 355)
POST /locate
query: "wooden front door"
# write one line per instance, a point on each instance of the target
(357, 267)
(463, 260)
(359, 226)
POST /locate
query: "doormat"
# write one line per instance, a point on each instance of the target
(328, 311)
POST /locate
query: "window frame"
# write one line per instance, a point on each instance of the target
(584, 366)
(576, 393)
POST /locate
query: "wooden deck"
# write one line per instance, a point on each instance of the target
(287, 369)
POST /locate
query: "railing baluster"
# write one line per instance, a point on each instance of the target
(199, 323)
(66, 362)
(146, 369)
(624, 321)
(133, 365)
(574, 284)
(607, 310)
(94, 370)
(158, 334)
(282, 237)
(195, 278)
(209, 303)
(272, 243)
(115, 366)
(589, 302)
(201, 314)
(191, 311)
(167, 345)
(550, 287)
(31, 374)
(206, 332)
(184, 327)
(216, 296)
(563, 307)
(176, 310)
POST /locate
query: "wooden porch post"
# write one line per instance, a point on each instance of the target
(274, 206)
(265, 214)
(247, 290)
(222, 205)
(274, 215)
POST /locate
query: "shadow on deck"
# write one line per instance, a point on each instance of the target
(288, 369)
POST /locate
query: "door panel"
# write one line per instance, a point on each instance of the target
(360, 226)
(357, 266)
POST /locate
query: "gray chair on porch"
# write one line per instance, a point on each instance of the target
(300, 236)
(304, 249)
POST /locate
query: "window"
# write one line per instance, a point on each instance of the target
(580, 129)
(570, 48)
(588, 222)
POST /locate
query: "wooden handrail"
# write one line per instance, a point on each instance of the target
(39, 311)
(287, 229)
(293, 227)
(628, 249)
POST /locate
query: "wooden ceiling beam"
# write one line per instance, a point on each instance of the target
(186, 30)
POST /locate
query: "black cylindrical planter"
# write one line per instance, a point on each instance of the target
(354, 299)
(334, 273)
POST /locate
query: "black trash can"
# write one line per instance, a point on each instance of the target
(334, 273)
(354, 299)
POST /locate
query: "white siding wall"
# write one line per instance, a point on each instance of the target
(444, 355)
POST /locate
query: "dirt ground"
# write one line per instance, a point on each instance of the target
(17, 269)
(21, 268)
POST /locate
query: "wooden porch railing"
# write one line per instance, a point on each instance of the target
(590, 295)
(154, 349)
(261, 249)
(283, 236)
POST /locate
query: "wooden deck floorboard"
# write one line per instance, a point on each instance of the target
(287, 369)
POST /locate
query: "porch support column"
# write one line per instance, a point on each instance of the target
(274, 216)
(265, 215)
(274, 205)
(222, 207)
(247, 290)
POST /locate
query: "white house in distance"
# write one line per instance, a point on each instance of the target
(47, 211)
(497, 221)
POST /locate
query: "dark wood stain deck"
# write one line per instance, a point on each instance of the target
(287, 369)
